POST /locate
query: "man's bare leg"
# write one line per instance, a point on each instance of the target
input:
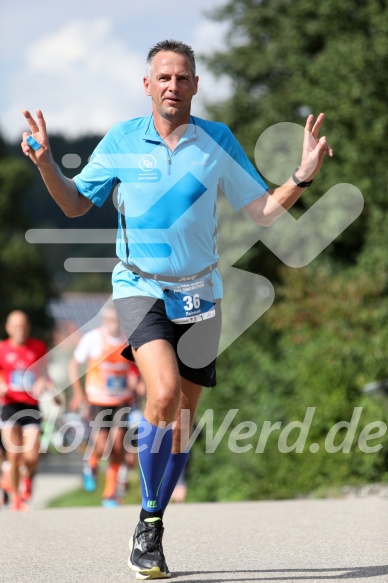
(158, 366)
(31, 444)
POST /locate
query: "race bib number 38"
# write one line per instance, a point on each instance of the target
(190, 302)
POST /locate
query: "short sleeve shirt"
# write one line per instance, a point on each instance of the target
(167, 200)
(20, 367)
(107, 370)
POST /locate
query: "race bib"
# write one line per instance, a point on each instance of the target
(190, 302)
(22, 380)
(116, 384)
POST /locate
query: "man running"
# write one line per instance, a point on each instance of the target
(109, 392)
(24, 378)
(167, 169)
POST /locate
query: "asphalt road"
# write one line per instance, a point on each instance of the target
(301, 540)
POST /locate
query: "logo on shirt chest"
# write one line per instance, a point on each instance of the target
(147, 162)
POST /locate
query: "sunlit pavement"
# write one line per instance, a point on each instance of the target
(300, 540)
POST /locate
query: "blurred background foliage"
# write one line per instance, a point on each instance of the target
(326, 334)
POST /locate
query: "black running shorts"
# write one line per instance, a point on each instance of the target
(21, 414)
(144, 319)
(105, 416)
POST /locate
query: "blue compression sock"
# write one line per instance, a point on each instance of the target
(154, 451)
(175, 467)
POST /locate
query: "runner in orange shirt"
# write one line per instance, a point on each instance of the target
(110, 395)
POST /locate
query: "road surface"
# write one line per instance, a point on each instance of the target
(57, 475)
(299, 540)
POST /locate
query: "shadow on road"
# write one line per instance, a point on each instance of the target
(286, 574)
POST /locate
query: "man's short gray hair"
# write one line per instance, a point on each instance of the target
(173, 46)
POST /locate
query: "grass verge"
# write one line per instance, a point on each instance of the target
(79, 497)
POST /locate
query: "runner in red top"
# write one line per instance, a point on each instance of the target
(23, 378)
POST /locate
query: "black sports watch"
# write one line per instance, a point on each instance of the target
(299, 183)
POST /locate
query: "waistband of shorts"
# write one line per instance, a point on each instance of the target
(169, 278)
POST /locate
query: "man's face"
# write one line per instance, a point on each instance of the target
(171, 86)
(18, 328)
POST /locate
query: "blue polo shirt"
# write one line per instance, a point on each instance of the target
(167, 200)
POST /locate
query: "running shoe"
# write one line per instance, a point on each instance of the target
(26, 489)
(111, 502)
(147, 557)
(89, 478)
(17, 504)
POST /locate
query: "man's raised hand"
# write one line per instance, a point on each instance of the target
(314, 149)
(35, 143)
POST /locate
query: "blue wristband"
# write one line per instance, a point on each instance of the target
(33, 143)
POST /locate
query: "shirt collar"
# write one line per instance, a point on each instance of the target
(152, 135)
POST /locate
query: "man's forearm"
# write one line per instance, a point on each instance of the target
(266, 209)
(283, 197)
(63, 190)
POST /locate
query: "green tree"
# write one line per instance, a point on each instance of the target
(24, 283)
(286, 59)
(44, 213)
(325, 336)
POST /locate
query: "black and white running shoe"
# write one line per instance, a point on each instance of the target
(147, 557)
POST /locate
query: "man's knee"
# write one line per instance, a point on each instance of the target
(164, 402)
(31, 443)
(12, 440)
